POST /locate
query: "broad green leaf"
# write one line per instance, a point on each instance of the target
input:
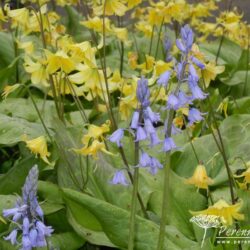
(115, 222)
(236, 138)
(229, 54)
(81, 222)
(12, 129)
(65, 241)
(179, 206)
(6, 49)
(14, 179)
(24, 108)
(238, 77)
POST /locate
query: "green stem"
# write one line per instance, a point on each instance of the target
(133, 211)
(165, 196)
(151, 40)
(247, 62)
(159, 38)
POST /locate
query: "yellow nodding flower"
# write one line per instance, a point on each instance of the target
(223, 106)
(93, 149)
(132, 59)
(112, 7)
(96, 132)
(200, 178)
(59, 61)
(211, 71)
(133, 3)
(246, 180)
(227, 212)
(96, 24)
(38, 146)
(9, 89)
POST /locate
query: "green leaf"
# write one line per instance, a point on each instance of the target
(12, 129)
(236, 137)
(229, 54)
(115, 222)
(179, 206)
(65, 241)
(238, 77)
(14, 179)
(6, 49)
(24, 108)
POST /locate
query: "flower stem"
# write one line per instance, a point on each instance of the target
(133, 211)
(165, 198)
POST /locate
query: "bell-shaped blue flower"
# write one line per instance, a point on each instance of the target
(117, 136)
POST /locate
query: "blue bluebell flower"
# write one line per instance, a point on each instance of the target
(142, 92)
(197, 93)
(12, 237)
(141, 134)
(153, 116)
(27, 215)
(185, 43)
(154, 140)
(135, 120)
(119, 178)
(168, 144)
(149, 127)
(154, 166)
(197, 62)
(117, 136)
(173, 102)
(145, 160)
(194, 115)
(164, 78)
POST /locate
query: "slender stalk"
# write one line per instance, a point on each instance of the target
(219, 49)
(133, 211)
(221, 147)
(159, 38)
(151, 40)
(247, 64)
(165, 196)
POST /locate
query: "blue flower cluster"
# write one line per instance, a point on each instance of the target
(185, 73)
(144, 118)
(27, 216)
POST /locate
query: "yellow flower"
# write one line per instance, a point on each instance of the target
(200, 178)
(132, 60)
(37, 70)
(211, 71)
(9, 89)
(223, 106)
(133, 3)
(225, 211)
(95, 132)
(129, 101)
(144, 27)
(112, 7)
(116, 7)
(28, 47)
(38, 146)
(161, 67)
(246, 175)
(57, 61)
(20, 17)
(148, 65)
(121, 34)
(93, 149)
(96, 24)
